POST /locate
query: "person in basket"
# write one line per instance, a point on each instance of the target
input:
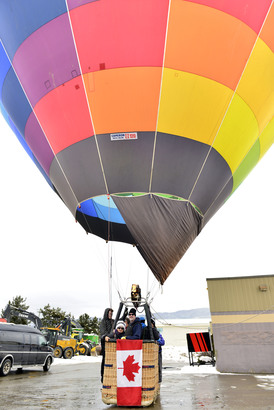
(118, 333)
(134, 330)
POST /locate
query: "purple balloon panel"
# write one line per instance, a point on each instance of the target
(38, 143)
(47, 59)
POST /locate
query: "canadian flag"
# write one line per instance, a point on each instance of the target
(129, 372)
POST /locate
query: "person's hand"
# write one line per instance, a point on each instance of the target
(107, 338)
(123, 338)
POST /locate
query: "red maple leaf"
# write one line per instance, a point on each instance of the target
(130, 368)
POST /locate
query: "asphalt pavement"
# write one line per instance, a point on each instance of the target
(77, 386)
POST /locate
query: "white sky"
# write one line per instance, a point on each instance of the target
(47, 258)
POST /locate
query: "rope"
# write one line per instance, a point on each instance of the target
(163, 321)
(245, 320)
(109, 257)
(70, 187)
(231, 178)
(160, 93)
(84, 87)
(234, 92)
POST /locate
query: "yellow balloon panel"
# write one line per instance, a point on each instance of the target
(247, 164)
(237, 134)
(267, 138)
(256, 86)
(192, 106)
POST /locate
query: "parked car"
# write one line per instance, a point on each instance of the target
(22, 346)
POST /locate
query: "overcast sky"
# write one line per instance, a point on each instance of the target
(47, 258)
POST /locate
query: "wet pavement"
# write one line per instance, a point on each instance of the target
(77, 386)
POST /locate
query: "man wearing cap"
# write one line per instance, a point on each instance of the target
(134, 330)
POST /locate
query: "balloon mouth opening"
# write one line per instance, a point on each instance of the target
(106, 201)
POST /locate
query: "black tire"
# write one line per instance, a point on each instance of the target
(6, 367)
(68, 353)
(83, 349)
(47, 364)
(57, 352)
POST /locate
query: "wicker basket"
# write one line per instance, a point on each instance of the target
(150, 376)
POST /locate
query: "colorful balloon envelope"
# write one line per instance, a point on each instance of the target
(143, 115)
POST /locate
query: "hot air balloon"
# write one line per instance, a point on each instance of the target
(143, 116)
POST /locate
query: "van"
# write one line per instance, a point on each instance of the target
(23, 346)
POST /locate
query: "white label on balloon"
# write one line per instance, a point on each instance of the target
(124, 136)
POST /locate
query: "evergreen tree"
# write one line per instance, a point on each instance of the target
(90, 325)
(52, 317)
(96, 325)
(18, 302)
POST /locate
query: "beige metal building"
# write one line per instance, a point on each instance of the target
(242, 314)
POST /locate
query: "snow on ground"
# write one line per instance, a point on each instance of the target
(266, 382)
(175, 354)
(175, 361)
(172, 355)
(77, 359)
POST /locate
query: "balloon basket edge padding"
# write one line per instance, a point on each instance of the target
(150, 374)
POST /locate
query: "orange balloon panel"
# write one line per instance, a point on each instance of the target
(207, 42)
(127, 97)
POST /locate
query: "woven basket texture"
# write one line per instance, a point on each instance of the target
(150, 377)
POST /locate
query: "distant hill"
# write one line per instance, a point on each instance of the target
(201, 313)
